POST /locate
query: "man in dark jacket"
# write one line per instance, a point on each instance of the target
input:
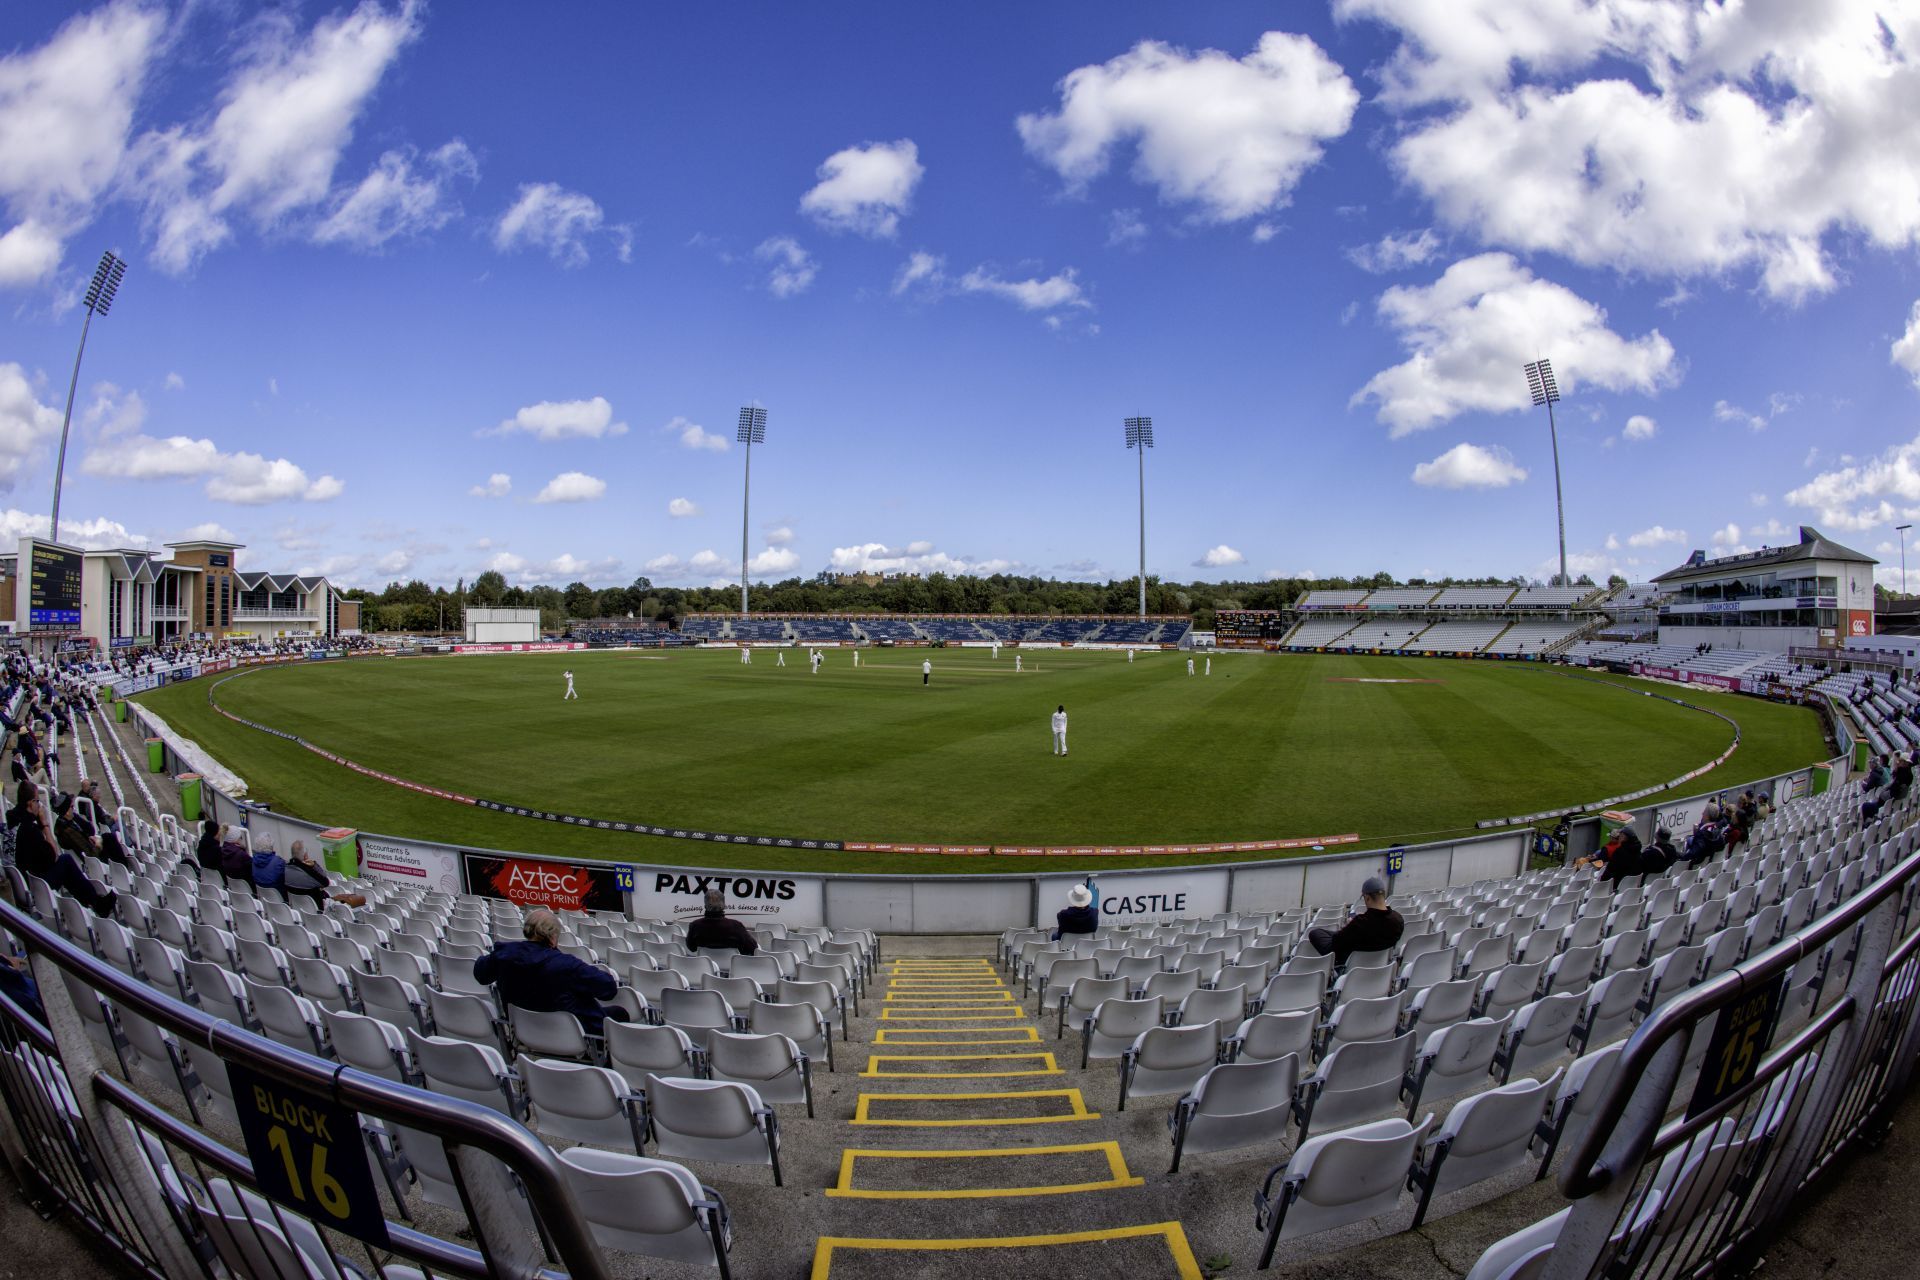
(1080, 915)
(1375, 929)
(537, 975)
(1623, 857)
(714, 929)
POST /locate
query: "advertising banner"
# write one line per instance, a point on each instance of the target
(1712, 681)
(564, 886)
(668, 894)
(1136, 899)
(434, 869)
(537, 646)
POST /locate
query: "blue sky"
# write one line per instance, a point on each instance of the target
(422, 290)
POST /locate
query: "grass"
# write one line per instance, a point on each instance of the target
(1266, 747)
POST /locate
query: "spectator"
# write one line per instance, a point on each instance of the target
(303, 876)
(1080, 915)
(207, 852)
(1661, 854)
(36, 854)
(536, 975)
(1877, 775)
(1624, 857)
(715, 929)
(69, 832)
(236, 863)
(17, 984)
(1902, 780)
(1375, 929)
(269, 868)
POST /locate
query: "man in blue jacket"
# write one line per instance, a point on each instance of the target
(537, 975)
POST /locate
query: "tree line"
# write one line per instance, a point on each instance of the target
(417, 607)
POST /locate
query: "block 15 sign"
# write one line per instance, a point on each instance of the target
(1740, 1039)
(308, 1155)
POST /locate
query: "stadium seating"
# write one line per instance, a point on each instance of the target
(812, 630)
(1472, 597)
(1318, 633)
(1331, 599)
(889, 630)
(1551, 597)
(1391, 633)
(1457, 637)
(1534, 637)
(1402, 598)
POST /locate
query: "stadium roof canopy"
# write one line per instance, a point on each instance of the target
(1813, 545)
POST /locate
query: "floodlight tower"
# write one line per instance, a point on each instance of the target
(1546, 392)
(1140, 436)
(99, 300)
(752, 431)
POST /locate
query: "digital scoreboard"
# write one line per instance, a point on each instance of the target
(1247, 628)
(53, 576)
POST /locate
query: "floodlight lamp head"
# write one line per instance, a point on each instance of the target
(106, 282)
(753, 425)
(1541, 384)
(1139, 433)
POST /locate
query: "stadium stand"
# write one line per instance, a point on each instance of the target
(1551, 597)
(1402, 598)
(1534, 637)
(1458, 637)
(951, 630)
(1129, 633)
(1473, 597)
(816, 630)
(705, 627)
(1390, 633)
(889, 630)
(1319, 633)
(1331, 599)
(759, 630)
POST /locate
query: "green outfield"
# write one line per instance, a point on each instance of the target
(1267, 747)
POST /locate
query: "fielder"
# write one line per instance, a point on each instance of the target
(856, 659)
(996, 649)
(1016, 662)
(569, 693)
(746, 656)
(1209, 670)
(818, 658)
(1189, 666)
(1129, 655)
(780, 658)
(1060, 731)
(926, 671)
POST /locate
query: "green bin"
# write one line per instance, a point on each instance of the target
(340, 850)
(189, 797)
(156, 755)
(1611, 821)
(1862, 756)
(1822, 778)
(120, 710)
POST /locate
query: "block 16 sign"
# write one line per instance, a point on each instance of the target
(307, 1155)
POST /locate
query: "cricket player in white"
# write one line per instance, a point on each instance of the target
(1129, 655)
(569, 693)
(1016, 661)
(780, 658)
(1060, 731)
(856, 657)
(1189, 666)
(746, 656)
(818, 658)
(1209, 664)
(926, 671)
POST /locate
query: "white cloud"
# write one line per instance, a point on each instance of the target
(563, 420)
(1126, 229)
(1472, 330)
(694, 436)
(920, 268)
(1396, 251)
(1031, 294)
(793, 268)
(1263, 232)
(114, 412)
(1758, 499)
(563, 568)
(1905, 351)
(1219, 558)
(1835, 495)
(1660, 535)
(772, 561)
(286, 116)
(1470, 466)
(865, 189)
(1640, 427)
(498, 485)
(246, 479)
(65, 111)
(25, 423)
(97, 534)
(681, 508)
(1723, 411)
(1230, 136)
(1662, 136)
(174, 382)
(546, 215)
(572, 486)
(916, 557)
(1728, 536)
(711, 565)
(780, 537)
(207, 531)
(396, 200)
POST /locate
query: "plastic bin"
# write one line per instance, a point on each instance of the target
(156, 756)
(120, 710)
(189, 797)
(340, 850)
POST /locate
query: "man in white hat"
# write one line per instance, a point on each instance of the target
(1079, 915)
(1060, 731)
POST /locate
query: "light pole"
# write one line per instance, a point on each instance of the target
(1545, 392)
(752, 431)
(99, 300)
(1140, 436)
(1903, 556)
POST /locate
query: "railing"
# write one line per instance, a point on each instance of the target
(151, 1186)
(275, 615)
(168, 613)
(1802, 1047)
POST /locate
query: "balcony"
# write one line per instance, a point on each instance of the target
(276, 615)
(168, 613)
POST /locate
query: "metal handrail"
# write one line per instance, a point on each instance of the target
(464, 1123)
(1583, 1174)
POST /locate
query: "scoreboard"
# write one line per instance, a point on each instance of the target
(1247, 628)
(53, 586)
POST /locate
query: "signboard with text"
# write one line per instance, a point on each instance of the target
(53, 576)
(308, 1155)
(564, 886)
(672, 894)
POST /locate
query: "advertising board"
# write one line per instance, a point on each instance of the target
(669, 893)
(1134, 899)
(53, 588)
(430, 867)
(535, 882)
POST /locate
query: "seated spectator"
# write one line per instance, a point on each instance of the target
(269, 868)
(36, 854)
(535, 974)
(236, 863)
(70, 832)
(715, 929)
(17, 984)
(1080, 915)
(1877, 775)
(1660, 855)
(1623, 857)
(1375, 929)
(304, 877)
(1902, 780)
(207, 852)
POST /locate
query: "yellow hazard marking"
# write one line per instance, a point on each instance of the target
(1185, 1265)
(998, 993)
(1012, 1013)
(969, 1035)
(874, 1069)
(862, 1110)
(1116, 1168)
